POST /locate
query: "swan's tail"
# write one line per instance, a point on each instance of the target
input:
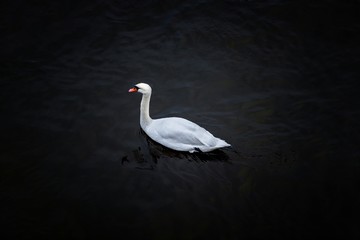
(221, 143)
(218, 144)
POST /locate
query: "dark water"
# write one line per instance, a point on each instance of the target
(277, 80)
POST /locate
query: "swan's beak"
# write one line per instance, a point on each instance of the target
(134, 89)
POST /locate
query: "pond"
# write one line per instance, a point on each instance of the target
(276, 80)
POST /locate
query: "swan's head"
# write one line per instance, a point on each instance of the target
(142, 88)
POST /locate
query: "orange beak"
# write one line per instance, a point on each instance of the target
(134, 89)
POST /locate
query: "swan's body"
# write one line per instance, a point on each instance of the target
(176, 133)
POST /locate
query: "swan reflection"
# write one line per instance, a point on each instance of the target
(147, 157)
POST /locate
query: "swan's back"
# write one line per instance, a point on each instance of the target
(183, 135)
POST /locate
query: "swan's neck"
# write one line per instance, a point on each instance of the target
(145, 118)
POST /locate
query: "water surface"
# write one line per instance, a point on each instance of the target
(276, 80)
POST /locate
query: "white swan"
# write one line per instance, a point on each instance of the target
(176, 133)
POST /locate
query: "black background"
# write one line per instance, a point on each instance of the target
(64, 176)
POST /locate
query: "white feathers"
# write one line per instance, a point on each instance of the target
(173, 132)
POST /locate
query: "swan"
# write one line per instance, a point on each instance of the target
(173, 132)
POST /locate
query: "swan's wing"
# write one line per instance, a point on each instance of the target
(180, 133)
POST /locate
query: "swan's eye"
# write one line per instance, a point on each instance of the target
(137, 88)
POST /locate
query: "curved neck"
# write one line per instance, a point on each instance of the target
(145, 118)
